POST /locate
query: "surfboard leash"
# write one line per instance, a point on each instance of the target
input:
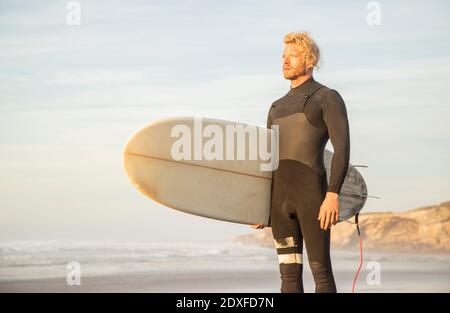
(360, 251)
(358, 230)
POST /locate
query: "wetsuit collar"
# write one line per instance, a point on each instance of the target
(304, 88)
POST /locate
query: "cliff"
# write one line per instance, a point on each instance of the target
(425, 230)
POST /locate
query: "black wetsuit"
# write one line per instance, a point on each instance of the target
(308, 115)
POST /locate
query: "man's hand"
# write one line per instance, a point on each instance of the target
(258, 226)
(329, 210)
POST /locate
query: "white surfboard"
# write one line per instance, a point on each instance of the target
(186, 163)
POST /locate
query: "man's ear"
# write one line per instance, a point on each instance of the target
(309, 65)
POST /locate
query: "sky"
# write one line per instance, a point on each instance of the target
(70, 97)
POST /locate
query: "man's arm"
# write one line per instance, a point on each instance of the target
(268, 125)
(336, 120)
(269, 118)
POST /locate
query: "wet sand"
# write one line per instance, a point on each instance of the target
(230, 281)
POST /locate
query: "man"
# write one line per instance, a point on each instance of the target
(303, 205)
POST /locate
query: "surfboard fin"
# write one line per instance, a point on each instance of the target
(358, 195)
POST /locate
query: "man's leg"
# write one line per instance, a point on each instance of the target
(317, 242)
(289, 244)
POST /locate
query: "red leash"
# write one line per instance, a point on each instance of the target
(360, 253)
(360, 264)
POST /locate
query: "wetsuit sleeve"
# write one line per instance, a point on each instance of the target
(269, 118)
(269, 124)
(336, 120)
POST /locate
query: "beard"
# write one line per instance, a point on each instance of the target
(291, 74)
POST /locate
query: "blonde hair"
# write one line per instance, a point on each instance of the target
(304, 40)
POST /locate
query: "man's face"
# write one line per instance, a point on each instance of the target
(293, 62)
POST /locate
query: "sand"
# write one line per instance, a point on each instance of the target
(229, 281)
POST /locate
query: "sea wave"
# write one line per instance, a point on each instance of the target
(22, 260)
(45, 259)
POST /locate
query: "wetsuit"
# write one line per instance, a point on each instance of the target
(308, 115)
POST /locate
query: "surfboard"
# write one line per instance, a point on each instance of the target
(217, 169)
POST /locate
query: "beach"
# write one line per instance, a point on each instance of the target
(224, 282)
(202, 268)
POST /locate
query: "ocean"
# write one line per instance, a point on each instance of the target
(201, 267)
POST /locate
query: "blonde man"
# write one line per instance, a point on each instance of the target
(303, 205)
